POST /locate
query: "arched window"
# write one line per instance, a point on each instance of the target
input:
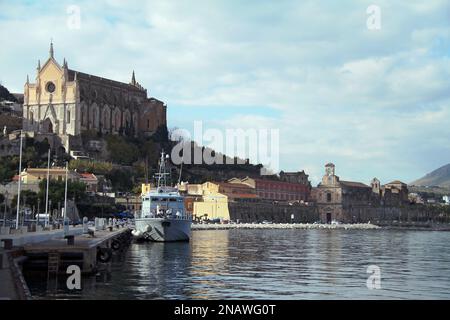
(328, 197)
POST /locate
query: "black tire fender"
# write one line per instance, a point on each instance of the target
(104, 254)
(116, 244)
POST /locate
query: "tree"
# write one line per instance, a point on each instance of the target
(8, 168)
(75, 190)
(28, 198)
(121, 180)
(121, 151)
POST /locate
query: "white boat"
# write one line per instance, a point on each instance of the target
(163, 216)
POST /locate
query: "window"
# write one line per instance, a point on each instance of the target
(50, 87)
(68, 116)
(328, 197)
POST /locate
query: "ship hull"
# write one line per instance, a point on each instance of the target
(162, 229)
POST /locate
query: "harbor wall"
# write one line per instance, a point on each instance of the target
(407, 213)
(248, 212)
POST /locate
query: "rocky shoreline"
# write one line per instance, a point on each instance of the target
(355, 226)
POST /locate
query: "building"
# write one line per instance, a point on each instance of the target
(345, 201)
(395, 193)
(65, 102)
(335, 199)
(205, 201)
(90, 180)
(295, 177)
(275, 190)
(237, 191)
(131, 203)
(36, 175)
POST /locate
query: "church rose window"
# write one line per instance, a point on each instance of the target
(50, 87)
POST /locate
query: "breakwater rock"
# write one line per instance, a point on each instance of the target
(353, 226)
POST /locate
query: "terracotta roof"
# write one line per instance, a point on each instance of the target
(353, 184)
(88, 176)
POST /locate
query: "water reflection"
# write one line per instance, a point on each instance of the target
(278, 264)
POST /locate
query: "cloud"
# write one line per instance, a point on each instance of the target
(374, 102)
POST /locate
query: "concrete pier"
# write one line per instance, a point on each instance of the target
(13, 286)
(22, 238)
(81, 250)
(51, 252)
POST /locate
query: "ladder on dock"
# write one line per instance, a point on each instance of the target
(52, 269)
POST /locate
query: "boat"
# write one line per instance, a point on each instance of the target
(163, 216)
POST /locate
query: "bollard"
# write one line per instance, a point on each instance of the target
(85, 225)
(70, 240)
(8, 244)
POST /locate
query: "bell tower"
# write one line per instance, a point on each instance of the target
(330, 177)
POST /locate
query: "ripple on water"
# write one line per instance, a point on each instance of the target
(277, 264)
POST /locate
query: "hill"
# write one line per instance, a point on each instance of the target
(439, 177)
(6, 95)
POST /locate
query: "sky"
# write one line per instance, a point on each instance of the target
(374, 101)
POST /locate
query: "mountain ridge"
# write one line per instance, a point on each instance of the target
(439, 177)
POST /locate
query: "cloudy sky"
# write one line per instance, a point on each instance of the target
(376, 102)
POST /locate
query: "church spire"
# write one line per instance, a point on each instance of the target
(28, 79)
(133, 79)
(51, 49)
(39, 66)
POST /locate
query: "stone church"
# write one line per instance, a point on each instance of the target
(65, 103)
(345, 201)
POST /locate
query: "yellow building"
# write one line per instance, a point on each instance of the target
(36, 175)
(209, 203)
(145, 188)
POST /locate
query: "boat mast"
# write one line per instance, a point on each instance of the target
(20, 179)
(162, 172)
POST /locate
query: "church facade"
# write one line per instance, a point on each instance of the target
(344, 201)
(66, 103)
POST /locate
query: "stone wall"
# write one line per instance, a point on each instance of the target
(248, 212)
(407, 213)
